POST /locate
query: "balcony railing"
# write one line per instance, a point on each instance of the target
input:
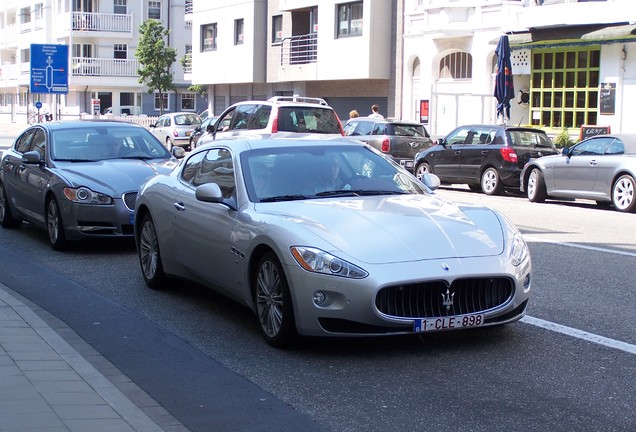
(85, 66)
(108, 22)
(299, 49)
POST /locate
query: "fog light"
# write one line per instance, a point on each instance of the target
(319, 297)
(526, 281)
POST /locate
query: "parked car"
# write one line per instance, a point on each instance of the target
(284, 115)
(174, 129)
(294, 230)
(485, 157)
(601, 168)
(200, 130)
(400, 139)
(79, 179)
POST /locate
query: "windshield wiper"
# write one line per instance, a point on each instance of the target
(75, 160)
(284, 198)
(339, 192)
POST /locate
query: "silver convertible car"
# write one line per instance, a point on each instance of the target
(329, 238)
(79, 179)
(601, 168)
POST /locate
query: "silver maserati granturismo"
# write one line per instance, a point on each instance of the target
(329, 238)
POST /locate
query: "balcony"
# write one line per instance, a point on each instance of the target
(104, 67)
(102, 22)
(300, 49)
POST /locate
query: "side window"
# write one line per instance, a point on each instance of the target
(223, 124)
(191, 167)
(459, 136)
(241, 117)
(350, 128)
(217, 167)
(379, 129)
(616, 147)
(23, 143)
(167, 121)
(364, 128)
(39, 142)
(260, 117)
(592, 147)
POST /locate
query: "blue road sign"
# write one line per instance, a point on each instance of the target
(49, 69)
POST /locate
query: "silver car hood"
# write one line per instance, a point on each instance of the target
(114, 176)
(396, 228)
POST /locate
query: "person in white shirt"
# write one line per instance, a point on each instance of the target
(375, 112)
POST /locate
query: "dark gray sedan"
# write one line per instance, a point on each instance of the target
(601, 168)
(79, 179)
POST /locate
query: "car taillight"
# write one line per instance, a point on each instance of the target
(175, 133)
(508, 154)
(386, 146)
(275, 125)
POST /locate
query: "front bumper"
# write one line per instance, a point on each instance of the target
(89, 221)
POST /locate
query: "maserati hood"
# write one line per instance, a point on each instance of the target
(396, 228)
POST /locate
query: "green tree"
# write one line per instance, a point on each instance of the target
(156, 58)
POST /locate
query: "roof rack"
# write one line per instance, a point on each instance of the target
(318, 101)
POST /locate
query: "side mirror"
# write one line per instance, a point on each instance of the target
(209, 192)
(431, 181)
(178, 152)
(567, 151)
(32, 157)
(440, 141)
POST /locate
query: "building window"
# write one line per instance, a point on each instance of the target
(350, 19)
(120, 7)
(457, 65)
(154, 10)
(120, 51)
(564, 87)
(38, 11)
(25, 15)
(208, 37)
(239, 26)
(82, 50)
(25, 55)
(277, 28)
(157, 101)
(187, 102)
(187, 66)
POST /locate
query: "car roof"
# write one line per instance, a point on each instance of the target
(503, 127)
(243, 143)
(387, 120)
(288, 101)
(70, 124)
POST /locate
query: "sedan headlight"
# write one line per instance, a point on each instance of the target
(518, 250)
(319, 261)
(84, 195)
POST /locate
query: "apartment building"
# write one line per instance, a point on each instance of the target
(341, 51)
(101, 36)
(573, 62)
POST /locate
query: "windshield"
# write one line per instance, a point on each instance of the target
(316, 172)
(105, 142)
(187, 120)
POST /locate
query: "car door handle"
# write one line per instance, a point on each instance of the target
(458, 152)
(179, 206)
(593, 162)
(485, 151)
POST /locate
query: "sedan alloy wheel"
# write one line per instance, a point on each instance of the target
(623, 194)
(149, 255)
(55, 226)
(273, 302)
(490, 182)
(536, 186)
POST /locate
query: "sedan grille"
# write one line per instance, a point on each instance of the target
(130, 198)
(438, 299)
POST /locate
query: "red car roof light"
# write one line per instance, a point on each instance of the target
(509, 154)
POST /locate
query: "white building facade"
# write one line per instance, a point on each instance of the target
(101, 36)
(573, 62)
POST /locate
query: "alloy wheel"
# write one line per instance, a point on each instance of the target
(623, 193)
(269, 298)
(148, 249)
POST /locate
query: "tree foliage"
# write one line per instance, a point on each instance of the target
(156, 58)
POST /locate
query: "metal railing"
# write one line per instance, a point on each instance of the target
(299, 49)
(86, 66)
(94, 21)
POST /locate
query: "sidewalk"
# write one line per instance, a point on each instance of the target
(47, 385)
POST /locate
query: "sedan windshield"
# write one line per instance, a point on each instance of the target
(105, 142)
(318, 172)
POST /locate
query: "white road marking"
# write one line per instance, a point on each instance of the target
(580, 334)
(592, 248)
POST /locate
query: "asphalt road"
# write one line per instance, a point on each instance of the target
(568, 366)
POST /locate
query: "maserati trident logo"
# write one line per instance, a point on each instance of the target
(447, 299)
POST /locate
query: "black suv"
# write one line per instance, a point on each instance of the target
(402, 140)
(485, 157)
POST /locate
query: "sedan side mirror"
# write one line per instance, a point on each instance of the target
(567, 151)
(32, 157)
(431, 181)
(440, 141)
(178, 152)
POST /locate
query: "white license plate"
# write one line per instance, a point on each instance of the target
(188, 133)
(448, 323)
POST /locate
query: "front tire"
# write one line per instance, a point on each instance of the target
(6, 218)
(490, 182)
(274, 309)
(623, 194)
(536, 186)
(422, 169)
(55, 225)
(150, 255)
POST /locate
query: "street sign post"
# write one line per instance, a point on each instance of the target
(49, 68)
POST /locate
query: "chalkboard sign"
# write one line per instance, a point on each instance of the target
(588, 131)
(608, 98)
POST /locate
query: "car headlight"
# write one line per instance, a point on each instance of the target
(319, 261)
(518, 250)
(83, 195)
